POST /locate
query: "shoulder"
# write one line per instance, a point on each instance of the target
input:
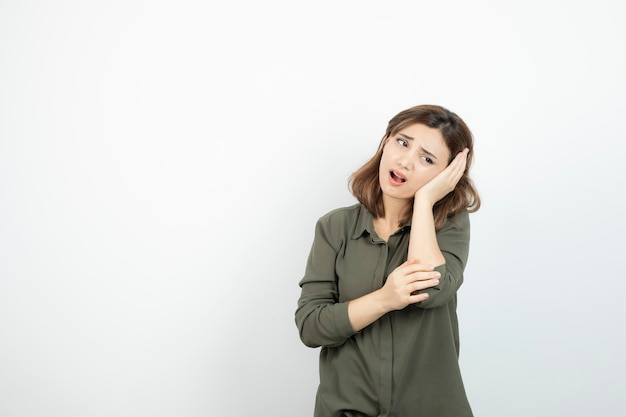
(454, 237)
(459, 221)
(457, 224)
(342, 214)
(340, 222)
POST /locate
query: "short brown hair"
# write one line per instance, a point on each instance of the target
(364, 183)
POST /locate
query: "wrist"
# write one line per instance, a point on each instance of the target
(382, 305)
(422, 202)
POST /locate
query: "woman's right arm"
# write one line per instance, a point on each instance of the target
(321, 319)
(399, 291)
(324, 321)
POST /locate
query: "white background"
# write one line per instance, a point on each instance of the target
(163, 163)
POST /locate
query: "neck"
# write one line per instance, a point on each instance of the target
(395, 210)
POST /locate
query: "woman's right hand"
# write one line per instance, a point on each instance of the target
(401, 289)
(404, 283)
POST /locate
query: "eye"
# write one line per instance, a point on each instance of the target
(428, 160)
(402, 142)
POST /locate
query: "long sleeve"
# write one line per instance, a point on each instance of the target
(321, 319)
(406, 363)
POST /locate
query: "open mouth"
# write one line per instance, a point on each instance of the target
(396, 177)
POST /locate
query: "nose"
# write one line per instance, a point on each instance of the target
(403, 162)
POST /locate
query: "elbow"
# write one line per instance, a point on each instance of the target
(441, 294)
(308, 336)
(315, 343)
(313, 336)
(325, 324)
(434, 299)
(308, 340)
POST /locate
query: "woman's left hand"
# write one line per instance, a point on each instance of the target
(444, 182)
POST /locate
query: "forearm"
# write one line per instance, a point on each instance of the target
(323, 323)
(423, 245)
(453, 240)
(365, 310)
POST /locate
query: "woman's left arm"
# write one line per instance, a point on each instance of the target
(453, 240)
(447, 249)
(423, 246)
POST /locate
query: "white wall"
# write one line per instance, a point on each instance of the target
(162, 165)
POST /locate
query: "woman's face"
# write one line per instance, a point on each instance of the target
(411, 158)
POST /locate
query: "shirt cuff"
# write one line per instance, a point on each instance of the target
(342, 321)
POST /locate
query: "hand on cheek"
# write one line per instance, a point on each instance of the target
(444, 182)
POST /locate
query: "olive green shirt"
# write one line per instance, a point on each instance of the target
(405, 364)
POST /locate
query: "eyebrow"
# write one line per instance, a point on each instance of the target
(427, 152)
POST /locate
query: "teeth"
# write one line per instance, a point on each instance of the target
(393, 174)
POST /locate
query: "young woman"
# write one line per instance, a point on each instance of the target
(379, 290)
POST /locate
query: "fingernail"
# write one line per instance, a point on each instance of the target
(438, 274)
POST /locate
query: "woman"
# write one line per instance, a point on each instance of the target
(379, 291)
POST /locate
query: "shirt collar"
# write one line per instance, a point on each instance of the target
(365, 223)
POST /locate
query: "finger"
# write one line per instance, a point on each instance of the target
(459, 161)
(459, 170)
(463, 159)
(412, 262)
(454, 171)
(407, 266)
(416, 298)
(457, 167)
(415, 267)
(423, 276)
(422, 285)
